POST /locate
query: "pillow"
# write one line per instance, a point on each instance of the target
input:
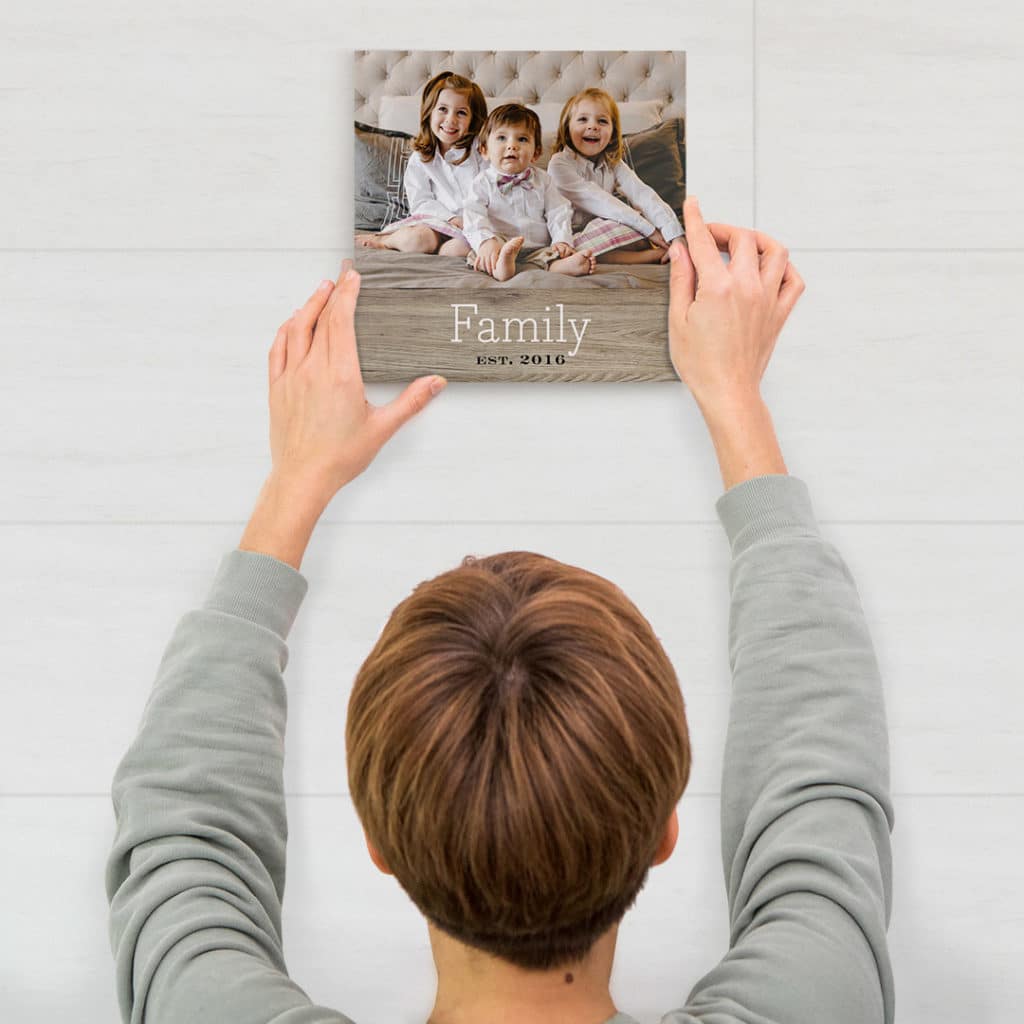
(658, 156)
(633, 116)
(547, 149)
(380, 159)
(402, 113)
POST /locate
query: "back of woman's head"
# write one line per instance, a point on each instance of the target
(516, 744)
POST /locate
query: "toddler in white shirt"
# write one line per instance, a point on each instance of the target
(588, 168)
(443, 164)
(514, 214)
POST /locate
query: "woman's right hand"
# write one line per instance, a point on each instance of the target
(723, 321)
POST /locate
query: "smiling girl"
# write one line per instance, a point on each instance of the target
(439, 172)
(588, 169)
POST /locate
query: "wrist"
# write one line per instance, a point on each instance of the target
(283, 519)
(743, 435)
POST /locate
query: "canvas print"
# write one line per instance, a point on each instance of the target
(513, 212)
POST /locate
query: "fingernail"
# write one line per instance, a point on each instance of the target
(325, 286)
(350, 275)
(437, 384)
(347, 264)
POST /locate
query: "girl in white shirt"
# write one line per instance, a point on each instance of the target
(444, 162)
(587, 168)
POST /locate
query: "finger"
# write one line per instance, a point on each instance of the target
(741, 244)
(300, 333)
(773, 266)
(768, 248)
(682, 280)
(791, 290)
(411, 401)
(702, 247)
(342, 353)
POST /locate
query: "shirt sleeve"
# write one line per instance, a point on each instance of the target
(419, 190)
(591, 198)
(647, 200)
(806, 809)
(196, 875)
(557, 213)
(475, 224)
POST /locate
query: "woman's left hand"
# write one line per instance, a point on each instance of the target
(323, 431)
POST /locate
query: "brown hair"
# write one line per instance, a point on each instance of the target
(425, 144)
(512, 115)
(613, 152)
(516, 744)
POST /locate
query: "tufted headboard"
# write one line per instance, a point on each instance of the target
(537, 76)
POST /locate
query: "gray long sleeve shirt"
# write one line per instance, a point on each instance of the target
(196, 875)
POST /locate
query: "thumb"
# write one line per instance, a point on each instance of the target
(411, 401)
(682, 278)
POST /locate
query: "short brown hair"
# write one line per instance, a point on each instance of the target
(512, 115)
(516, 744)
(425, 143)
(614, 150)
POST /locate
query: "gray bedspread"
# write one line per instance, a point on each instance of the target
(389, 269)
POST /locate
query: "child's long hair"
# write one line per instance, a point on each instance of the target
(613, 152)
(425, 144)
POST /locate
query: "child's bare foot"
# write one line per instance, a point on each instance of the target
(505, 267)
(579, 264)
(373, 241)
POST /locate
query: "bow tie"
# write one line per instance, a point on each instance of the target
(507, 182)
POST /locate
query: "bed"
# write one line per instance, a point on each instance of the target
(411, 305)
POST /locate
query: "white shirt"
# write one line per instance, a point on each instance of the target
(540, 213)
(439, 187)
(589, 187)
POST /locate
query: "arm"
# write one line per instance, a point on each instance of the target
(646, 199)
(557, 213)
(591, 198)
(475, 224)
(420, 190)
(806, 808)
(196, 876)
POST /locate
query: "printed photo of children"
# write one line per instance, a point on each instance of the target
(478, 186)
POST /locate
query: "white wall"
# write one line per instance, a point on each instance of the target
(174, 181)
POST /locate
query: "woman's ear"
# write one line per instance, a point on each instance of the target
(668, 840)
(376, 857)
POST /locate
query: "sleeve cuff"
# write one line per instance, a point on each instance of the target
(258, 587)
(766, 506)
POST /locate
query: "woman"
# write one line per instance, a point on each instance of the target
(196, 875)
